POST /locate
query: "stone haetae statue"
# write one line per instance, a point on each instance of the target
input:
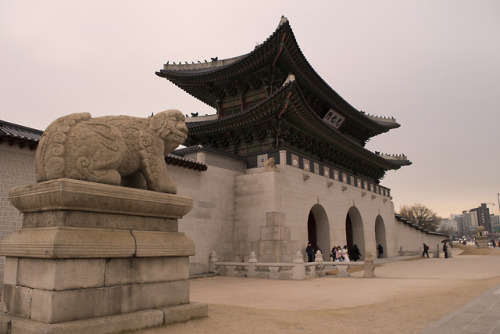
(270, 164)
(113, 149)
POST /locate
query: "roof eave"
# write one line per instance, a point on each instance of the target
(302, 70)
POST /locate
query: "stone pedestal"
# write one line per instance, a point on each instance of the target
(482, 241)
(95, 258)
(369, 266)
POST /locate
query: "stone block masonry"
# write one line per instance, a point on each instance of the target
(17, 168)
(126, 272)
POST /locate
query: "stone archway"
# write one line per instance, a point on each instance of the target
(354, 230)
(380, 235)
(318, 229)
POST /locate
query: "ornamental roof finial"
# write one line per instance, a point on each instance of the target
(289, 79)
(283, 20)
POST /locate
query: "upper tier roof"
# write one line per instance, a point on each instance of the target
(280, 49)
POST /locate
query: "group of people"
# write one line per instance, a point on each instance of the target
(341, 254)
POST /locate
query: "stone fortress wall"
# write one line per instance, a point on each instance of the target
(238, 210)
(17, 169)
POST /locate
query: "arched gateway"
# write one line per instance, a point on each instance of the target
(286, 119)
(354, 230)
(318, 229)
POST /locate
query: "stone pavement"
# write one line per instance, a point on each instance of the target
(395, 277)
(480, 316)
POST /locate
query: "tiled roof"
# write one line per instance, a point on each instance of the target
(176, 160)
(20, 135)
(415, 226)
(280, 47)
(301, 116)
(199, 148)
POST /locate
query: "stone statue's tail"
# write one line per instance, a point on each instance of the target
(49, 158)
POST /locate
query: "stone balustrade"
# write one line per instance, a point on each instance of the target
(297, 270)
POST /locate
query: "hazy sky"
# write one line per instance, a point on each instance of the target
(433, 65)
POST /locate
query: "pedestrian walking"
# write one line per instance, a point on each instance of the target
(426, 251)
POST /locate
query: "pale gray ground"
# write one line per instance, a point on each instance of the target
(406, 297)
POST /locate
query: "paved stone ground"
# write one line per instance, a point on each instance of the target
(394, 277)
(480, 316)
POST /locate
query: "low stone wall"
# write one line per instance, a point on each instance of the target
(297, 270)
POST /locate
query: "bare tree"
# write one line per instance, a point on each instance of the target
(421, 215)
(448, 230)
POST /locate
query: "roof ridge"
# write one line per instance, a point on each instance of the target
(215, 60)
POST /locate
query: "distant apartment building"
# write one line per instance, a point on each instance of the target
(483, 217)
(467, 222)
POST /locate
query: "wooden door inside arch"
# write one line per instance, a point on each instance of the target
(311, 231)
(348, 232)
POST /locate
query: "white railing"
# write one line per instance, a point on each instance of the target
(296, 270)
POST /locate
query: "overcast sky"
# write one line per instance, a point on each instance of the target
(433, 65)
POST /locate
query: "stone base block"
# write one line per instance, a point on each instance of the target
(105, 325)
(70, 274)
(76, 195)
(95, 258)
(55, 274)
(74, 243)
(146, 270)
(185, 312)
(481, 241)
(70, 305)
(98, 220)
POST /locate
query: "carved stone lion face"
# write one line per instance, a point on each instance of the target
(171, 126)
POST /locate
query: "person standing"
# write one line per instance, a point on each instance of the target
(339, 254)
(333, 253)
(445, 250)
(380, 251)
(310, 252)
(354, 253)
(345, 254)
(426, 251)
